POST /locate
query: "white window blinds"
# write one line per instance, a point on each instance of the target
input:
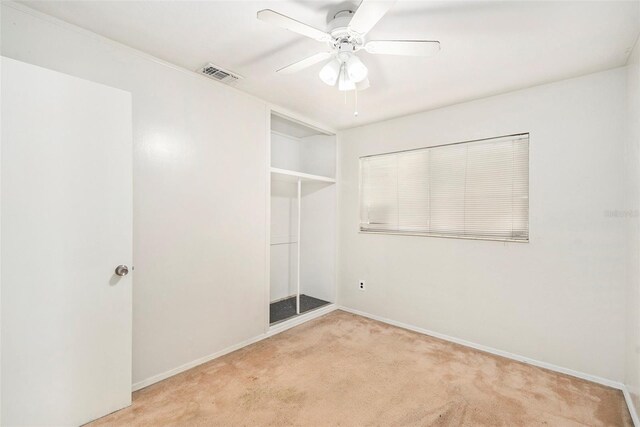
(477, 189)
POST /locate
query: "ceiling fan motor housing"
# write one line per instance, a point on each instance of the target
(343, 38)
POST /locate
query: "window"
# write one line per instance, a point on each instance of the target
(477, 189)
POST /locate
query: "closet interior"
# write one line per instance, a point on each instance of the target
(303, 219)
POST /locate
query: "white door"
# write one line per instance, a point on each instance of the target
(66, 224)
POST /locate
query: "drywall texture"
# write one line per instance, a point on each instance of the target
(199, 194)
(632, 157)
(559, 299)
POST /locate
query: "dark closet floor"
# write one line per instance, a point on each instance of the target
(286, 308)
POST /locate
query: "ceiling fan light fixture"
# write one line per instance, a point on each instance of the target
(345, 83)
(356, 70)
(330, 72)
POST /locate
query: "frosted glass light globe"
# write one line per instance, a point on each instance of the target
(356, 70)
(330, 72)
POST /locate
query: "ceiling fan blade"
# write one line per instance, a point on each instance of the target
(307, 62)
(282, 21)
(403, 47)
(368, 14)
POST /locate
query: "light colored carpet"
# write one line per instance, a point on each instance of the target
(347, 370)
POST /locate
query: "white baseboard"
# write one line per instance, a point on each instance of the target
(281, 327)
(164, 375)
(631, 406)
(274, 330)
(508, 355)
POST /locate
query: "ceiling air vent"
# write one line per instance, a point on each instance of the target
(219, 74)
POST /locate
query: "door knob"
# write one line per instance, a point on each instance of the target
(122, 270)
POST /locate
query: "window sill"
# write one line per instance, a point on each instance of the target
(445, 236)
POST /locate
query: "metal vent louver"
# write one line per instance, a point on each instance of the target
(219, 74)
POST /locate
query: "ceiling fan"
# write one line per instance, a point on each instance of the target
(346, 35)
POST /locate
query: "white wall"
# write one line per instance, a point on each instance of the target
(319, 155)
(559, 299)
(199, 194)
(314, 154)
(632, 157)
(286, 152)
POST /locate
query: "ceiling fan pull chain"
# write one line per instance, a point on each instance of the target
(355, 108)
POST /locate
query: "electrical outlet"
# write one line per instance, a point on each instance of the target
(361, 285)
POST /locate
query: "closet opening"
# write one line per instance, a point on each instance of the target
(303, 219)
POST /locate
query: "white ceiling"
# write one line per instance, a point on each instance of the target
(487, 47)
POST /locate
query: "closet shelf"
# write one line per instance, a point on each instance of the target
(293, 176)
